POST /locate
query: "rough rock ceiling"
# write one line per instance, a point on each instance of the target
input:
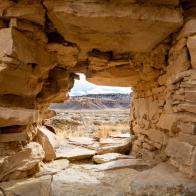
(118, 26)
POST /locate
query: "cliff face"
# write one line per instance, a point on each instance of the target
(94, 102)
(148, 45)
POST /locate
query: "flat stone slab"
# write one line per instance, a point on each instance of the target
(109, 157)
(162, 179)
(73, 153)
(85, 141)
(52, 167)
(17, 116)
(31, 187)
(116, 145)
(137, 164)
(120, 135)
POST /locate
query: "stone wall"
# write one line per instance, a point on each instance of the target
(43, 43)
(164, 117)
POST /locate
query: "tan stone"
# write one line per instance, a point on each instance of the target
(194, 161)
(73, 153)
(180, 151)
(52, 167)
(191, 43)
(48, 141)
(160, 180)
(17, 116)
(168, 122)
(97, 21)
(10, 137)
(66, 55)
(31, 186)
(190, 96)
(22, 163)
(109, 157)
(117, 164)
(156, 136)
(119, 146)
(190, 139)
(32, 12)
(188, 29)
(187, 127)
(187, 107)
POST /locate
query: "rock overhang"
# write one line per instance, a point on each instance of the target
(120, 26)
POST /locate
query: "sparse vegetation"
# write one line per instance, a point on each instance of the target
(91, 123)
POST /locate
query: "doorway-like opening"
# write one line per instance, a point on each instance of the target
(95, 117)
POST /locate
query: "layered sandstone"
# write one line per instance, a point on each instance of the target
(148, 45)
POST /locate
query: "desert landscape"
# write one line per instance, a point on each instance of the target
(91, 146)
(92, 115)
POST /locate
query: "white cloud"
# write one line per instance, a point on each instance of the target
(83, 87)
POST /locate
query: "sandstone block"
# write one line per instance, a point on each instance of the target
(190, 96)
(66, 55)
(190, 139)
(156, 136)
(22, 163)
(180, 151)
(168, 122)
(191, 43)
(117, 164)
(187, 127)
(109, 157)
(194, 161)
(188, 29)
(32, 12)
(17, 116)
(31, 186)
(48, 141)
(186, 107)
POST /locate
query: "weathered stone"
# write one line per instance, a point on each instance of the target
(66, 55)
(22, 163)
(122, 146)
(168, 122)
(162, 180)
(191, 43)
(187, 107)
(190, 96)
(82, 28)
(10, 137)
(194, 161)
(188, 29)
(17, 116)
(32, 12)
(180, 151)
(31, 187)
(117, 164)
(73, 153)
(109, 157)
(187, 127)
(190, 139)
(52, 167)
(48, 141)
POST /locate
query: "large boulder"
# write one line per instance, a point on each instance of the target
(21, 164)
(48, 140)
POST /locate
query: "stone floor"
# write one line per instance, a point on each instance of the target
(61, 178)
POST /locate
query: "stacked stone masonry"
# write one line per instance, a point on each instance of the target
(147, 45)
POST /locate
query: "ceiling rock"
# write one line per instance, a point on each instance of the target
(118, 26)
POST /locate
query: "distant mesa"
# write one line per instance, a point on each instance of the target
(94, 102)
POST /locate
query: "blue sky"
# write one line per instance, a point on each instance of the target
(83, 87)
